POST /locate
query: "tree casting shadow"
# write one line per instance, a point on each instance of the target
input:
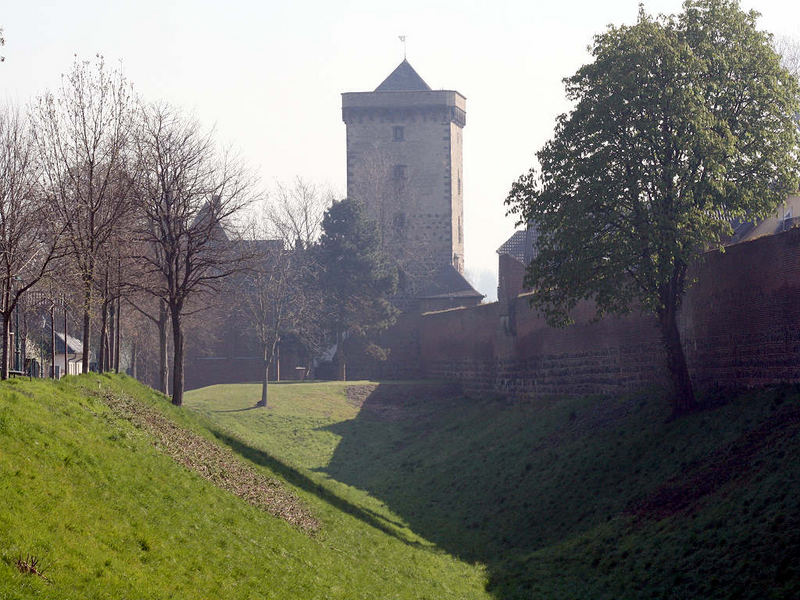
(305, 483)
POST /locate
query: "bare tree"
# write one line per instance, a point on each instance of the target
(28, 236)
(188, 193)
(267, 302)
(278, 295)
(82, 136)
(294, 215)
(789, 50)
(154, 309)
(294, 212)
(110, 286)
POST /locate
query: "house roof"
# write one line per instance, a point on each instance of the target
(785, 217)
(74, 345)
(403, 79)
(205, 213)
(447, 282)
(522, 245)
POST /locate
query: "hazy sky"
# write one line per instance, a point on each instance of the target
(269, 74)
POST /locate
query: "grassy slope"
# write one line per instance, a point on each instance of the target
(111, 517)
(583, 498)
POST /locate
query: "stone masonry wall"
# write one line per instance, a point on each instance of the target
(404, 161)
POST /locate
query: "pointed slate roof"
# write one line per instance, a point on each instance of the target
(403, 79)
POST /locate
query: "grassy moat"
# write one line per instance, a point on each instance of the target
(393, 490)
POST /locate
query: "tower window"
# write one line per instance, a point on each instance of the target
(400, 172)
(398, 133)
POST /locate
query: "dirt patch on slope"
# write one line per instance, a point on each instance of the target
(216, 464)
(392, 402)
(358, 394)
(732, 463)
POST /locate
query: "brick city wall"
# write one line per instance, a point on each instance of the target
(740, 324)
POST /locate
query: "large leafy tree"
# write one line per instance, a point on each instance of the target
(679, 124)
(355, 276)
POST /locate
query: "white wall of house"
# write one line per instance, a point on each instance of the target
(75, 364)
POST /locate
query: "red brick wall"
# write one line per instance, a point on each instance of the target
(740, 324)
(201, 371)
(401, 341)
(510, 275)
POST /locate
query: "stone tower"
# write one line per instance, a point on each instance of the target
(404, 162)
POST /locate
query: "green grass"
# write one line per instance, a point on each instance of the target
(580, 498)
(109, 516)
(421, 494)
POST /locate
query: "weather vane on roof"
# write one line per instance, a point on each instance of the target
(403, 39)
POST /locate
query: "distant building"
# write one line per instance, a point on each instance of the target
(404, 161)
(517, 251)
(69, 355)
(786, 216)
(513, 259)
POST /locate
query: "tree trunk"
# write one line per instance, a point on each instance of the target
(265, 378)
(112, 334)
(23, 344)
(53, 341)
(163, 365)
(107, 360)
(342, 364)
(87, 323)
(177, 361)
(133, 360)
(117, 335)
(101, 355)
(683, 399)
(66, 344)
(278, 361)
(6, 335)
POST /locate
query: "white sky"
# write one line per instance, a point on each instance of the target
(269, 74)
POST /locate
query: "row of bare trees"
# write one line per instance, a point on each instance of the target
(132, 213)
(29, 235)
(131, 203)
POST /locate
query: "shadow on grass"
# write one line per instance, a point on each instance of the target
(485, 480)
(237, 410)
(543, 492)
(307, 484)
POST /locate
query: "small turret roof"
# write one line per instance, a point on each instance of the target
(403, 79)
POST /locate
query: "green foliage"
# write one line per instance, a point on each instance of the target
(680, 123)
(549, 495)
(356, 277)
